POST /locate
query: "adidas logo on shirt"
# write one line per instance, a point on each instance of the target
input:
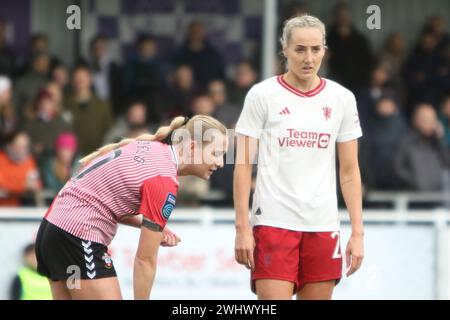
(285, 111)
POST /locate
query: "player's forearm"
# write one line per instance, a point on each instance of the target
(132, 221)
(241, 193)
(144, 274)
(350, 181)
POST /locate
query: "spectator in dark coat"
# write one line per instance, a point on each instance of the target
(244, 78)
(7, 57)
(379, 86)
(350, 57)
(197, 52)
(106, 73)
(181, 92)
(144, 75)
(421, 72)
(420, 160)
(383, 135)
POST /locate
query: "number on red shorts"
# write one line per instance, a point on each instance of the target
(336, 253)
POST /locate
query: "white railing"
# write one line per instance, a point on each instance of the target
(208, 219)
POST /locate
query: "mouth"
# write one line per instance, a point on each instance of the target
(307, 69)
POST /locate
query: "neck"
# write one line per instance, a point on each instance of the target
(196, 45)
(300, 84)
(183, 169)
(83, 95)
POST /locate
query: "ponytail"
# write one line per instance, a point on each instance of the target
(161, 134)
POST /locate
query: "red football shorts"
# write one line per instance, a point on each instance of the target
(296, 256)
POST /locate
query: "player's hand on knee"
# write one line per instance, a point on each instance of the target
(170, 239)
(244, 247)
(354, 254)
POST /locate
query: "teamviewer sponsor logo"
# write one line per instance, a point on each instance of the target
(324, 140)
(304, 139)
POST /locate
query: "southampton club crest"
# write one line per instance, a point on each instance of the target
(108, 261)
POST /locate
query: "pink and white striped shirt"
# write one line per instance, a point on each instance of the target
(139, 178)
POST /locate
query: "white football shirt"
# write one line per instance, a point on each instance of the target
(297, 132)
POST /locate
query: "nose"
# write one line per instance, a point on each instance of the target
(220, 162)
(308, 56)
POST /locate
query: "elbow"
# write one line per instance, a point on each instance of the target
(349, 167)
(349, 171)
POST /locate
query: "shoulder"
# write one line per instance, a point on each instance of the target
(338, 89)
(161, 183)
(264, 87)
(98, 101)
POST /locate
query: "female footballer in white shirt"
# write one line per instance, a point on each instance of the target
(294, 123)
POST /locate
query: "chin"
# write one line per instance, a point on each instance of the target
(204, 176)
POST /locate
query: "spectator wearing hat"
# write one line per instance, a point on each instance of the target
(59, 167)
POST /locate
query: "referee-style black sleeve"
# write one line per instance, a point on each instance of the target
(16, 289)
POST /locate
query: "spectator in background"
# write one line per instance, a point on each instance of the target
(144, 75)
(444, 118)
(191, 191)
(384, 133)
(7, 57)
(19, 172)
(29, 85)
(420, 72)
(393, 56)
(420, 160)
(443, 72)
(225, 112)
(8, 119)
(28, 284)
(58, 96)
(203, 104)
(60, 75)
(244, 78)
(437, 26)
(181, 91)
(57, 168)
(350, 57)
(106, 74)
(92, 117)
(46, 125)
(204, 59)
(379, 84)
(39, 44)
(133, 124)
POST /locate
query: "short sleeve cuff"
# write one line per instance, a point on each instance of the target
(349, 136)
(248, 132)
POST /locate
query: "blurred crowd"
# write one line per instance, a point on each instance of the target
(52, 114)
